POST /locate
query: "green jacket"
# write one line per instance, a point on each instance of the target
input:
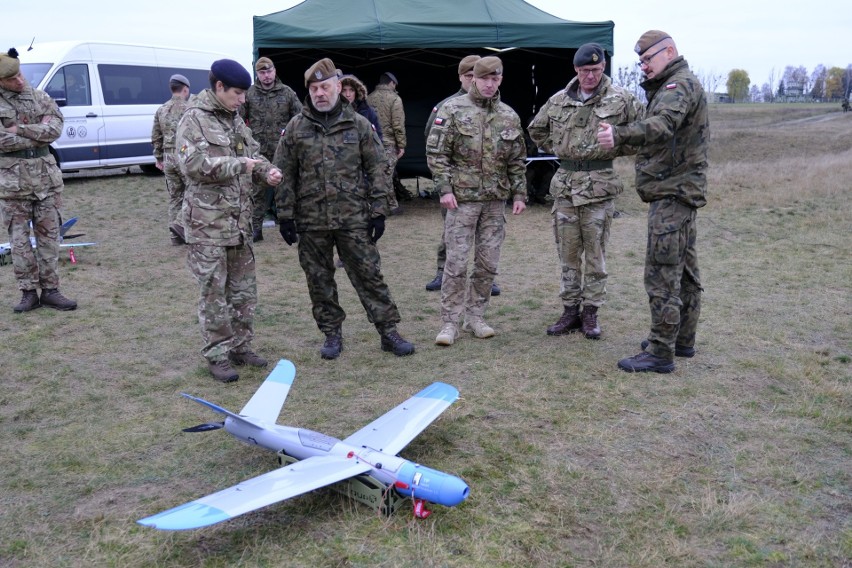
(476, 150)
(165, 125)
(267, 112)
(567, 127)
(388, 106)
(324, 158)
(212, 142)
(674, 136)
(37, 177)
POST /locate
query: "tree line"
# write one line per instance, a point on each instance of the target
(795, 84)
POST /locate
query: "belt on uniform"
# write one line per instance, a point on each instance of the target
(585, 165)
(27, 153)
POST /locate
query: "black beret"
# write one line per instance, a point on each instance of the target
(588, 54)
(391, 76)
(231, 73)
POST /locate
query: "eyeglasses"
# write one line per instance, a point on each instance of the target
(587, 72)
(647, 60)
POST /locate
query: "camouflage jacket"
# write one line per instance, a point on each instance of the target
(212, 142)
(436, 108)
(21, 177)
(388, 106)
(165, 124)
(672, 160)
(476, 150)
(267, 112)
(567, 126)
(323, 158)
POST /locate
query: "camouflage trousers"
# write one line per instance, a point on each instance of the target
(392, 159)
(175, 186)
(34, 267)
(671, 276)
(442, 248)
(581, 235)
(263, 198)
(226, 277)
(362, 264)
(479, 227)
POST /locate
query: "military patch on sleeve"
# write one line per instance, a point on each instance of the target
(671, 86)
(439, 121)
(283, 131)
(183, 149)
(434, 109)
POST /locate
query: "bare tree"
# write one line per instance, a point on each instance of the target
(818, 82)
(755, 95)
(710, 81)
(769, 87)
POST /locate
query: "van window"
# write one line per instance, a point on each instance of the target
(35, 72)
(131, 85)
(72, 84)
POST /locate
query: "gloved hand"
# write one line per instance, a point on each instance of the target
(376, 228)
(287, 228)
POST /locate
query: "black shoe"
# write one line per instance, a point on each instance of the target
(645, 362)
(257, 236)
(332, 347)
(435, 284)
(495, 289)
(394, 342)
(680, 350)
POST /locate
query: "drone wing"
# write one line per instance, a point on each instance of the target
(268, 399)
(394, 430)
(252, 494)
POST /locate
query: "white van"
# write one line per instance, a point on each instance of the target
(108, 93)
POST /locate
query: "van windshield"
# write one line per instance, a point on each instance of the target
(35, 72)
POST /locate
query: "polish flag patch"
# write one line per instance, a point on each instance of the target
(439, 121)
(671, 86)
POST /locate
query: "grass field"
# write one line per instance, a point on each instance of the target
(741, 457)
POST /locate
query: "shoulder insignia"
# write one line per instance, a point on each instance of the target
(671, 86)
(439, 121)
(283, 131)
(434, 109)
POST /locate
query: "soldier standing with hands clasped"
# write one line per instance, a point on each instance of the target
(326, 202)
(220, 158)
(671, 177)
(585, 186)
(30, 186)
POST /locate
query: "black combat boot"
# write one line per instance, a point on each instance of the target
(29, 301)
(332, 346)
(645, 362)
(568, 322)
(495, 289)
(680, 350)
(590, 322)
(51, 298)
(393, 341)
(435, 284)
(257, 235)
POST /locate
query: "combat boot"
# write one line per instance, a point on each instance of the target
(247, 358)
(29, 301)
(257, 235)
(51, 298)
(178, 236)
(222, 371)
(590, 322)
(332, 346)
(645, 362)
(435, 284)
(568, 322)
(478, 328)
(495, 289)
(393, 341)
(447, 335)
(680, 350)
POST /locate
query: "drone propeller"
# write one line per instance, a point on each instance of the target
(205, 427)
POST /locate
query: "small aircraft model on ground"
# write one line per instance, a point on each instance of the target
(322, 460)
(6, 248)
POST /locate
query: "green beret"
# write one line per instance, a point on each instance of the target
(263, 64)
(320, 71)
(466, 64)
(649, 39)
(588, 54)
(9, 64)
(231, 73)
(490, 65)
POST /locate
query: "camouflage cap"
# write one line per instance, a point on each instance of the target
(264, 64)
(466, 64)
(650, 39)
(9, 64)
(490, 65)
(320, 71)
(231, 73)
(178, 78)
(588, 54)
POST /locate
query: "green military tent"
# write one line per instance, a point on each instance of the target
(421, 43)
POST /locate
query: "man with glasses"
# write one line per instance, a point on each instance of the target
(671, 177)
(585, 186)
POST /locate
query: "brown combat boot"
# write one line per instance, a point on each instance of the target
(568, 322)
(249, 358)
(590, 322)
(29, 301)
(51, 298)
(222, 371)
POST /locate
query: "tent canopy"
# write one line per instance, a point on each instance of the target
(421, 43)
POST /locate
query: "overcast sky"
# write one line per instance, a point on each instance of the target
(714, 36)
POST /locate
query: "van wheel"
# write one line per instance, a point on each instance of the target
(150, 170)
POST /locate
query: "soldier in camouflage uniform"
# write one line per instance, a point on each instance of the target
(219, 158)
(163, 139)
(30, 186)
(585, 186)
(324, 203)
(671, 176)
(269, 106)
(476, 153)
(388, 105)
